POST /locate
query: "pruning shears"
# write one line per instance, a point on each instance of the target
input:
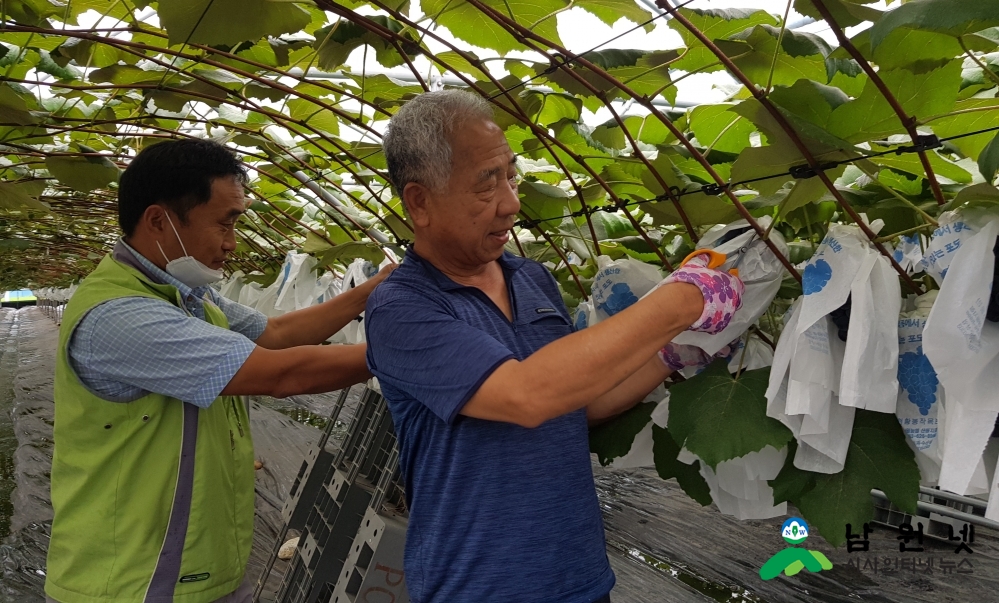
(716, 259)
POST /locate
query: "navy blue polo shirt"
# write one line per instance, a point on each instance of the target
(498, 512)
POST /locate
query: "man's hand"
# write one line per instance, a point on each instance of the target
(383, 273)
(677, 356)
(722, 293)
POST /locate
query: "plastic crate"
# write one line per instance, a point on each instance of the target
(360, 475)
(325, 543)
(938, 511)
(312, 476)
(374, 568)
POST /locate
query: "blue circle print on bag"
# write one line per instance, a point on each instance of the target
(620, 298)
(581, 320)
(918, 379)
(816, 277)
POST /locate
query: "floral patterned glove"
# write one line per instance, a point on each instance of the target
(722, 293)
(677, 356)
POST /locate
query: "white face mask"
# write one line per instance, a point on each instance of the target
(186, 269)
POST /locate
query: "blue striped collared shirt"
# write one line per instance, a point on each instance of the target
(125, 348)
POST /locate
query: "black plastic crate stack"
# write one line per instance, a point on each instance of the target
(942, 514)
(333, 506)
(374, 568)
(310, 479)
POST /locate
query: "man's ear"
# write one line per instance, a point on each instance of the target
(154, 219)
(417, 199)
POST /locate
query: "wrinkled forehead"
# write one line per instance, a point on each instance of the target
(479, 149)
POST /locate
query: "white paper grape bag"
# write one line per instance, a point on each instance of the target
(964, 349)
(329, 287)
(249, 294)
(760, 270)
(357, 273)
(750, 353)
(620, 283)
(268, 300)
(231, 288)
(844, 266)
(909, 252)
(586, 315)
(920, 397)
(953, 228)
(739, 486)
(300, 286)
(823, 372)
(870, 361)
(807, 402)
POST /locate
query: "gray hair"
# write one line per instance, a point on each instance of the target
(417, 144)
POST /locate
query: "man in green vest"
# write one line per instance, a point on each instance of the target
(152, 472)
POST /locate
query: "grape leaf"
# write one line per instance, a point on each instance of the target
(878, 457)
(952, 17)
(908, 47)
(348, 251)
(801, 55)
(811, 101)
(982, 194)
(318, 117)
(471, 25)
(334, 43)
(717, 127)
(614, 438)
(969, 116)
(911, 164)
(988, 160)
(540, 201)
(791, 483)
(719, 418)
(701, 210)
(83, 173)
(817, 139)
(716, 25)
(870, 116)
(806, 191)
(16, 104)
(610, 11)
(14, 244)
(215, 22)
(664, 453)
(844, 12)
(18, 196)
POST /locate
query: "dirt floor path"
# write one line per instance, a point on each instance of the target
(663, 546)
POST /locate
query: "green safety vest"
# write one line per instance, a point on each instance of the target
(153, 499)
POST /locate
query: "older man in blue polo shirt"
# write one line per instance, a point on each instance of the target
(488, 384)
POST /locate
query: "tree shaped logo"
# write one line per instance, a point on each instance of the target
(792, 560)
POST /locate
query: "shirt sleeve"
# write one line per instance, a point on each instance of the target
(242, 319)
(418, 347)
(156, 347)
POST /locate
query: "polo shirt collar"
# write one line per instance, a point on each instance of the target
(124, 253)
(509, 262)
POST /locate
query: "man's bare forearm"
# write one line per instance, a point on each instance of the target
(299, 370)
(630, 392)
(572, 372)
